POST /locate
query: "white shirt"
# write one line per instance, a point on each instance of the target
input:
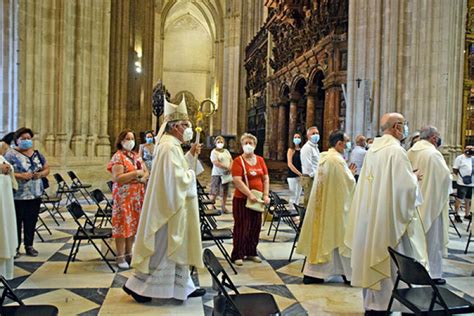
(357, 157)
(309, 159)
(464, 165)
(224, 158)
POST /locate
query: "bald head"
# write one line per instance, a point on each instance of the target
(360, 140)
(392, 124)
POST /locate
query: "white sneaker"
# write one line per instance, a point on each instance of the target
(123, 265)
(255, 259)
(239, 262)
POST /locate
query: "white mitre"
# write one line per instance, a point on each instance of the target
(172, 112)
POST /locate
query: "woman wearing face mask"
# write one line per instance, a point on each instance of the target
(30, 167)
(294, 170)
(129, 175)
(247, 223)
(146, 150)
(221, 166)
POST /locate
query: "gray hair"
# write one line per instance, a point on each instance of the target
(248, 135)
(428, 131)
(310, 128)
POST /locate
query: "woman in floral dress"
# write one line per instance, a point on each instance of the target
(129, 175)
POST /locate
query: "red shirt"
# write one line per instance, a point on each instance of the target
(254, 174)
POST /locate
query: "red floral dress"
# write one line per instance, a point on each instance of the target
(128, 197)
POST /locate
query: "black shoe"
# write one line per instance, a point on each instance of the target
(137, 297)
(311, 280)
(468, 217)
(346, 281)
(457, 218)
(30, 251)
(439, 281)
(197, 293)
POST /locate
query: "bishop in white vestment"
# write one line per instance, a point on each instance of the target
(8, 234)
(168, 240)
(384, 213)
(324, 225)
(435, 188)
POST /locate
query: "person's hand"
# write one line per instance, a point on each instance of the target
(27, 176)
(266, 200)
(5, 168)
(353, 168)
(140, 173)
(418, 174)
(196, 149)
(36, 175)
(252, 198)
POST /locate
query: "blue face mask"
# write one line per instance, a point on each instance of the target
(25, 144)
(149, 140)
(314, 138)
(296, 141)
(348, 146)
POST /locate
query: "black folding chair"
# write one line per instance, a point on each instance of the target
(280, 212)
(63, 188)
(21, 308)
(104, 207)
(89, 233)
(77, 184)
(452, 213)
(52, 201)
(41, 223)
(254, 304)
(302, 211)
(217, 235)
(427, 298)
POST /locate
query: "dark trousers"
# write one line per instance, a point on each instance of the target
(26, 217)
(247, 225)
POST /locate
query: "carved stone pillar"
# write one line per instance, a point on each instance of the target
(294, 98)
(310, 105)
(331, 113)
(282, 141)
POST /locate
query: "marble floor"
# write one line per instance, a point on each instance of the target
(90, 288)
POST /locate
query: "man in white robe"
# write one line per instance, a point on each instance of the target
(8, 233)
(168, 240)
(435, 189)
(324, 225)
(383, 213)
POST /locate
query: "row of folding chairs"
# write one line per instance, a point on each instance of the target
(279, 212)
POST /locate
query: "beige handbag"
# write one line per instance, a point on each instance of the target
(259, 205)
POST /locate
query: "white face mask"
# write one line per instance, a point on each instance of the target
(219, 145)
(188, 134)
(128, 145)
(248, 149)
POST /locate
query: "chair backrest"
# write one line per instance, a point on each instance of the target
(72, 175)
(302, 211)
(110, 185)
(98, 196)
(59, 179)
(76, 211)
(410, 270)
(215, 269)
(8, 292)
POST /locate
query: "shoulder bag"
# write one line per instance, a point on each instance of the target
(257, 206)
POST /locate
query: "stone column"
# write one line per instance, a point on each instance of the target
(413, 51)
(282, 140)
(310, 105)
(294, 98)
(8, 66)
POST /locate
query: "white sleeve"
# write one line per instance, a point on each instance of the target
(457, 163)
(213, 156)
(306, 164)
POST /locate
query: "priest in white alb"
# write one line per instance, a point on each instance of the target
(168, 241)
(324, 225)
(384, 214)
(8, 234)
(435, 188)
